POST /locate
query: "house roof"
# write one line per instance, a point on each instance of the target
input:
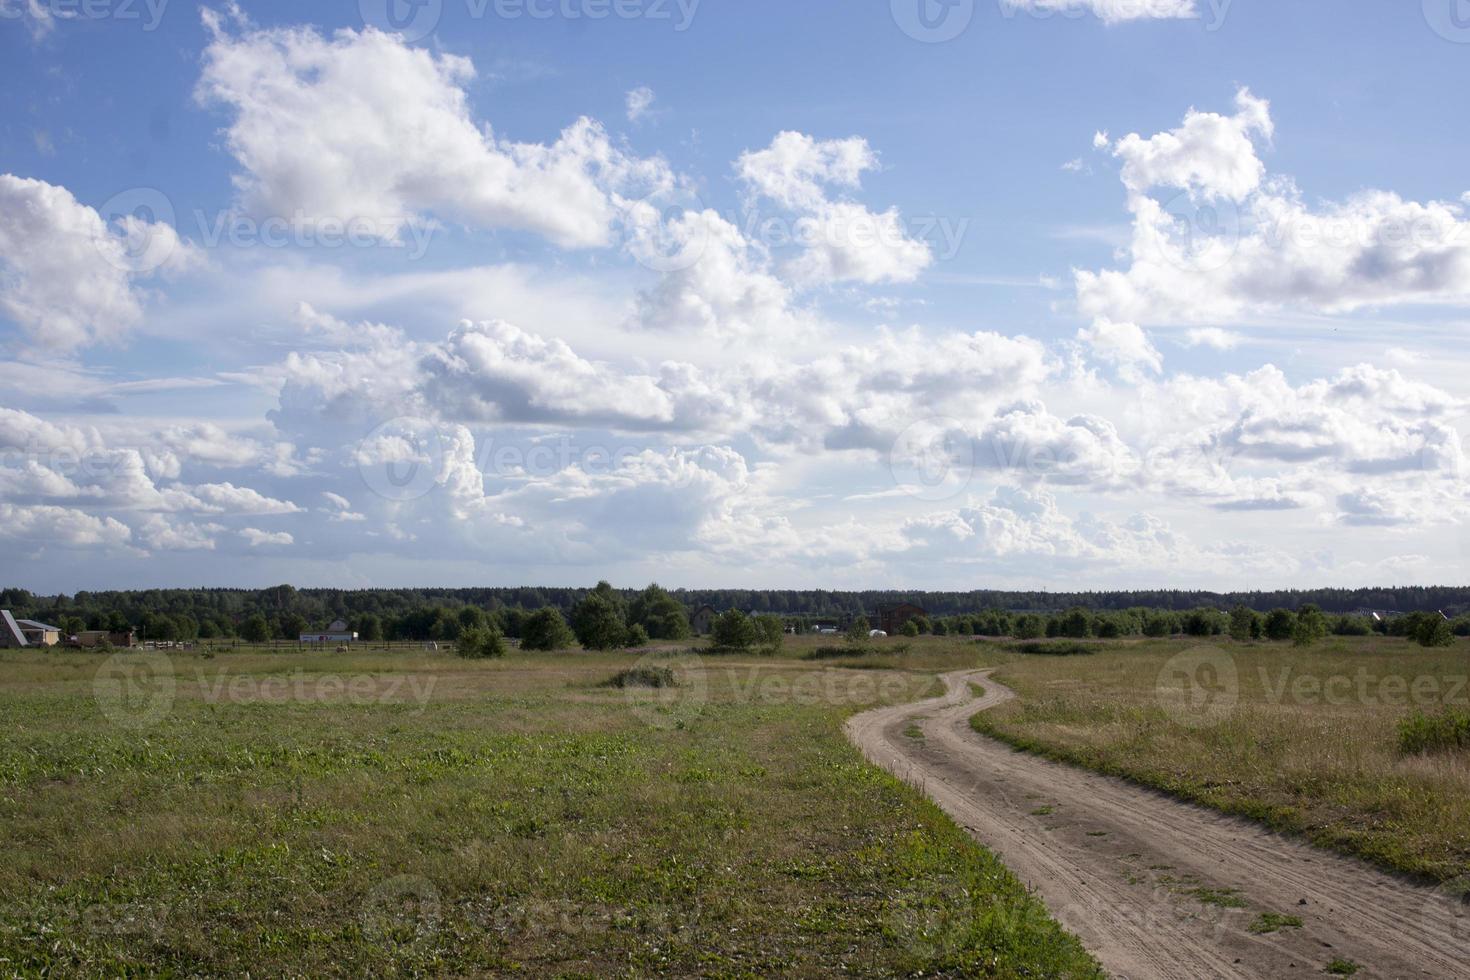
(31, 624)
(12, 629)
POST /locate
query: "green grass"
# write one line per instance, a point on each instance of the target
(1340, 967)
(1446, 731)
(1269, 922)
(287, 815)
(1309, 744)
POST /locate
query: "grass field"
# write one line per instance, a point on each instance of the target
(412, 813)
(1305, 740)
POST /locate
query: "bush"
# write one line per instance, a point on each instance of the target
(643, 677)
(598, 620)
(1055, 648)
(1445, 732)
(858, 634)
(1242, 624)
(663, 616)
(1433, 630)
(546, 629)
(733, 630)
(772, 631)
(480, 643)
(910, 628)
(1279, 624)
(637, 636)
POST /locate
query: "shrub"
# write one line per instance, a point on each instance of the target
(772, 631)
(1279, 624)
(1434, 631)
(910, 628)
(733, 630)
(480, 643)
(637, 636)
(1055, 648)
(858, 633)
(1029, 627)
(1242, 624)
(546, 629)
(643, 677)
(598, 620)
(1447, 731)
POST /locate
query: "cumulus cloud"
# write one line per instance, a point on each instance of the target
(42, 526)
(842, 240)
(69, 280)
(1212, 337)
(1124, 346)
(1113, 11)
(1215, 238)
(257, 538)
(362, 127)
(639, 103)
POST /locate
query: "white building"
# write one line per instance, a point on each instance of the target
(336, 633)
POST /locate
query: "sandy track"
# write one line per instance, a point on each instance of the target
(1120, 866)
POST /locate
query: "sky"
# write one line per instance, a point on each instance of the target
(940, 294)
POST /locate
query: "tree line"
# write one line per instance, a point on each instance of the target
(284, 612)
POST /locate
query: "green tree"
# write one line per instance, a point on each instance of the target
(1242, 624)
(733, 630)
(292, 626)
(546, 629)
(369, 628)
(909, 628)
(1434, 631)
(1075, 623)
(1310, 626)
(1028, 627)
(663, 616)
(772, 631)
(859, 633)
(471, 617)
(598, 620)
(1279, 624)
(255, 629)
(480, 643)
(636, 636)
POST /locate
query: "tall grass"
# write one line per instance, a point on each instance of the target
(1447, 731)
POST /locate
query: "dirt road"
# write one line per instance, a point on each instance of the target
(1155, 887)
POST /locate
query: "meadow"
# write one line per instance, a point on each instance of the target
(410, 813)
(1306, 740)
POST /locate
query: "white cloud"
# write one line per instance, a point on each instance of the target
(257, 538)
(1113, 11)
(843, 241)
(160, 534)
(1233, 243)
(1124, 346)
(639, 103)
(1212, 337)
(44, 526)
(68, 279)
(362, 127)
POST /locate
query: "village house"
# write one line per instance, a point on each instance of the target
(39, 634)
(892, 617)
(336, 633)
(703, 620)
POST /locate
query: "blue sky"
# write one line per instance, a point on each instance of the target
(1164, 292)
